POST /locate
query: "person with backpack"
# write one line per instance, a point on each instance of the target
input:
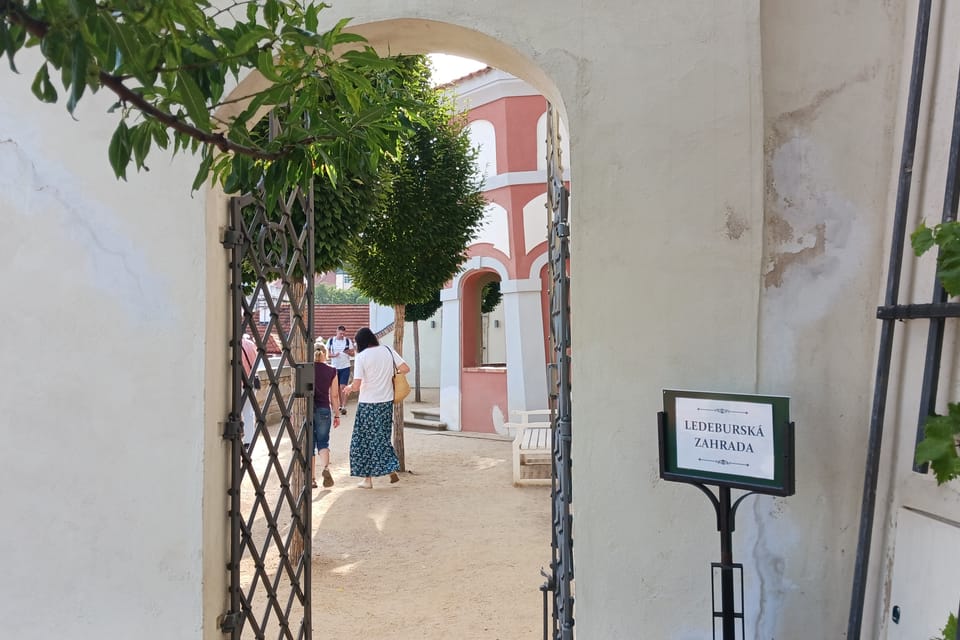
(340, 349)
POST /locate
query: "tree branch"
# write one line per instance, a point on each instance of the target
(15, 13)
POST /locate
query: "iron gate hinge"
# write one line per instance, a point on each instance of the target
(232, 429)
(563, 229)
(232, 238)
(304, 380)
(229, 621)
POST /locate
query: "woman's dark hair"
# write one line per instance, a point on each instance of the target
(365, 338)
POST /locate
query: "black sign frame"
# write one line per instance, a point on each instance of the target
(783, 482)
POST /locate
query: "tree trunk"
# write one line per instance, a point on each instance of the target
(298, 417)
(399, 314)
(416, 361)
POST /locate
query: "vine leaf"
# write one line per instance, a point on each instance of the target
(939, 445)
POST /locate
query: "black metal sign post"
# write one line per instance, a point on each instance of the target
(731, 441)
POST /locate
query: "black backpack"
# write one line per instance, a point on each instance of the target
(330, 344)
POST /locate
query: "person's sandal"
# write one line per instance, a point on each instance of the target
(327, 479)
(314, 483)
(394, 477)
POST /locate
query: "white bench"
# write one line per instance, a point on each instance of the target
(532, 448)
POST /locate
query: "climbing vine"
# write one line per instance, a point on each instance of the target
(939, 445)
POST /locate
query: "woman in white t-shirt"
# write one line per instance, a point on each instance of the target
(371, 449)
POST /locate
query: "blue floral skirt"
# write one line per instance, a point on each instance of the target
(371, 450)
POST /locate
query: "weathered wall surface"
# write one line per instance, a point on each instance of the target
(730, 161)
(829, 109)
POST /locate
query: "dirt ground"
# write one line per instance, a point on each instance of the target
(453, 550)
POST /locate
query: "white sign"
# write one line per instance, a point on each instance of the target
(724, 436)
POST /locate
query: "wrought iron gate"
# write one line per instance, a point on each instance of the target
(271, 267)
(559, 625)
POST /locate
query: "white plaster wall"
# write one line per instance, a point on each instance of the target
(429, 351)
(381, 317)
(103, 427)
(495, 338)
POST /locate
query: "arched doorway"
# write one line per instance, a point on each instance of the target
(522, 288)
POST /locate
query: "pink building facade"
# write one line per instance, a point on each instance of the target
(492, 368)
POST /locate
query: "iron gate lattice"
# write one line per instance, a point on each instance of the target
(271, 267)
(560, 578)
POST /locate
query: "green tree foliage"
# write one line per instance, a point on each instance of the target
(490, 296)
(325, 294)
(412, 247)
(170, 62)
(420, 311)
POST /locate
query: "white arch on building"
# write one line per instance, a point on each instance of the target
(450, 338)
(538, 264)
(535, 222)
(542, 145)
(495, 228)
(483, 136)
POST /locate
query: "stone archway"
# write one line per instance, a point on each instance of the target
(523, 376)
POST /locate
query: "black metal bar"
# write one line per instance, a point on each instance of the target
(919, 311)
(726, 524)
(308, 501)
(234, 617)
(544, 589)
(931, 367)
(885, 350)
(564, 425)
(725, 517)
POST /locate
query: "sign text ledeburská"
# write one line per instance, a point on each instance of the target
(725, 439)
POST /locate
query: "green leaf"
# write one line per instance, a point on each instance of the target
(203, 172)
(311, 19)
(6, 44)
(141, 139)
(921, 239)
(80, 8)
(948, 269)
(42, 87)
(78, 71)
(939, 447)
(251, 38)
(130, 53)
(271, 13)
(193, 100)
(119, 150)
(265, 66)
(950, 630)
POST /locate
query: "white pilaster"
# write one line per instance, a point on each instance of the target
(526, 361)
(450, 359)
